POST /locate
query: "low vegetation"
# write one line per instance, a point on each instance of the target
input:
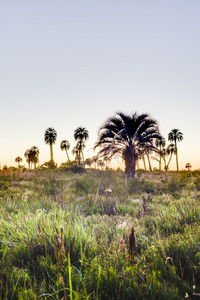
(75, 233)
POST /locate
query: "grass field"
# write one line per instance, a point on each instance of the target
(91, 234)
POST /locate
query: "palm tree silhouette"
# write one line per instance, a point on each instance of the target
(34, 153)
(50, 136)
(160, 143)
(127, 136)
(81, 134)
(78, 150)
(188, 166)
(170, 151)
(174, 136)
(65, 145)
(95, 159)
(18, 159)
(88, 162)
(27, 155)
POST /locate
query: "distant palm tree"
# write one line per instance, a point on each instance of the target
(127, 136)
(50, 136)
(174, 136)
(188, 166)
(27, 155)
(100, 163)
(18, 159)
(94, 160)
(34, 153)
(160, 143)
(65, 145)
(88, 162)
(81, 134)
(78, 150)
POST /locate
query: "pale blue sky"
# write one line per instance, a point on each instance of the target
(65, 64)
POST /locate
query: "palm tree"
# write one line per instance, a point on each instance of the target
(160, 143)
(100, 163)
(18, 159)
(34, 155)
(77, 150)
(127, 136)
(169, 151)
(174, 136)
(95, 159)
(65, 145)
(50, 136)
(88, 162)
(27, 155)
(81, 134)
(188, 166)
(147, 152)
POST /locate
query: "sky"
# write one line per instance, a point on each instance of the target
(65, 64)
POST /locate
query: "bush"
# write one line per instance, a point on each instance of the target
(148, 187)
(197, 183)
(83, 185)
(134, 186)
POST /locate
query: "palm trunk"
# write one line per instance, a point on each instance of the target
(51, 152)
(160, 159)
(130, 162)
(165, 168)
(79, 158)
(169, 161)
(150, 168)
(67, 156)
(176, 156)
(82, 155)
(144, 163)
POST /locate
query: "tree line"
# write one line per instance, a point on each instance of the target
(134, 137)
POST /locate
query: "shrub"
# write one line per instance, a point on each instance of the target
(148, 187)
(197, 183)
(134, 185)
(83, 185)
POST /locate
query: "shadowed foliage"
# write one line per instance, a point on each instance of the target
(128, 136)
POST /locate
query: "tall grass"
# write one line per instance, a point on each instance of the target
(98, 235)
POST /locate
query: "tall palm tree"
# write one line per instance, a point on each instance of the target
(160, 143)
(50, 136)
(81, 134)
(18, 159)
(65, 145)
(34, 153)
(127, 136)
(174, 136)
